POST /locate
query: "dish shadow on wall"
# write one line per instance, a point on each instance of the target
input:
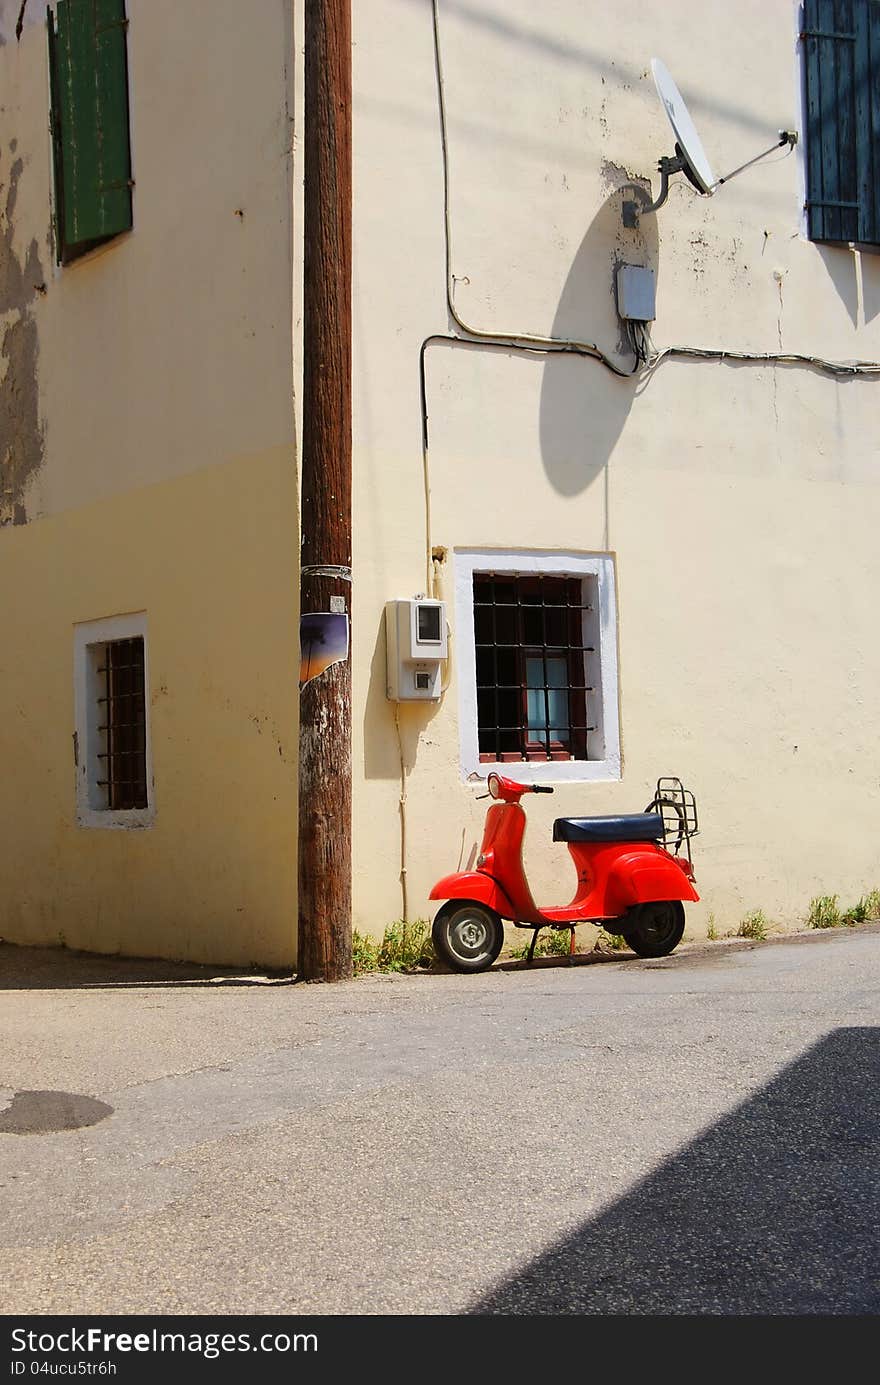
(584, 406)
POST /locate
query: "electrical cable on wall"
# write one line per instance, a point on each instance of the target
(835, 368)
(515, 340)
(646, 356)
(402, 809)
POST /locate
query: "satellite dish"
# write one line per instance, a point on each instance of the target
(688, 145)
(690, 156)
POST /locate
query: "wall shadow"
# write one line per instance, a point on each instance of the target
(870, 285)
(773, 1211)
(25, 968)
(842, 268)
(584, 406)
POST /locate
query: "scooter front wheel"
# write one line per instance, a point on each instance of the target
(655, 929)
(466, 935)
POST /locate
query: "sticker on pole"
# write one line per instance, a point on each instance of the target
(323, 640)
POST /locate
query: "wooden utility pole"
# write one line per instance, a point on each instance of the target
(324, 941)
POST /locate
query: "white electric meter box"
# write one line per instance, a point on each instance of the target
(416, 649)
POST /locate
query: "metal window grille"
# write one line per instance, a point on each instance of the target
(531, 667)
(122, 722)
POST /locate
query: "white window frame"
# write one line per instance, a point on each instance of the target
(603, 634)
(88, 639)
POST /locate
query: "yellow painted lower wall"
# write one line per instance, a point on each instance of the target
(212, 559)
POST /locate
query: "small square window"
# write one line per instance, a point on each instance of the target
(531, 667)
(537, 664)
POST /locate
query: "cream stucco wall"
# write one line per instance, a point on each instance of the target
(740, 500)
(161, 478)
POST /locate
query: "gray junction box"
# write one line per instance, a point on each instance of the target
(636, 296)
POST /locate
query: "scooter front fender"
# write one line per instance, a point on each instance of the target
(473, 884)
(642, 877)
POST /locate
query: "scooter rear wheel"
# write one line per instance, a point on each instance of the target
(467, 936)
(655, 929)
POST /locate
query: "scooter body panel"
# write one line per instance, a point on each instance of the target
(499, 868)
(641, 877)
(615, 876)
(475, 885)
(501, 856)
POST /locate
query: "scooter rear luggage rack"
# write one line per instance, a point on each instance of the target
(678, 810)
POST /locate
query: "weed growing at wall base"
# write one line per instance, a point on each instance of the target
(868, 907)
(823, 912)
(404, 946)
(615, 941)
(552, 942)
(754, 924)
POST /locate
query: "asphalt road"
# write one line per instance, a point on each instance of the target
(697, 1135)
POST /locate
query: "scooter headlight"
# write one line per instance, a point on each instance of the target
(494, 786)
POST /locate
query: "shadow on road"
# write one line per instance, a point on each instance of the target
(775, 1210)
(58, 968)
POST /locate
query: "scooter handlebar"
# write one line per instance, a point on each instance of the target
(512, 790)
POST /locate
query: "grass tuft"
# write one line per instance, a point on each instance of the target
(824, 912)
(615, 941)
(856, 913)
(552, 942)
(404, 946)
(871, 904)
(754, 925)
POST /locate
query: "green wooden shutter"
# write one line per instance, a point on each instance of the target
(90, 99)
(842, 85)
(57, 160)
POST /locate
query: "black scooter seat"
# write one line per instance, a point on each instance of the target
(636, 827)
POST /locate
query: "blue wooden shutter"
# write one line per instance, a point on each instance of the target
(842, 82)
(90, 121)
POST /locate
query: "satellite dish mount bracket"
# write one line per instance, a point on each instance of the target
(633, 210)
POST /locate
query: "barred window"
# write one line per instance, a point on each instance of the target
(122, 756)
(532, 665)
(537, 666)
(112, 752)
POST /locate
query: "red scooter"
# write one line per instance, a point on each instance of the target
(630, 878)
